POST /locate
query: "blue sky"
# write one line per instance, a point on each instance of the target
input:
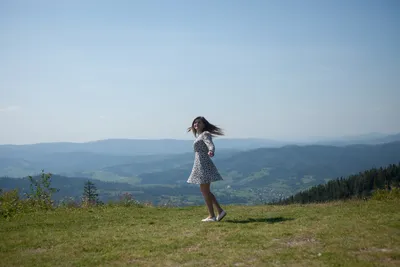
(288, 70)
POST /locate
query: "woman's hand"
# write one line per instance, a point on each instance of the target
(210, 153)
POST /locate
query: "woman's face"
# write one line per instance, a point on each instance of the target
(198, 125)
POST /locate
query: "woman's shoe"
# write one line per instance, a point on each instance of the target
(221, 216)
(209, 219)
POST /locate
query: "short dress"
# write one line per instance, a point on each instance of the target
(204, 170)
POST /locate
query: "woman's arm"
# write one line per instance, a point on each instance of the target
(208, 141)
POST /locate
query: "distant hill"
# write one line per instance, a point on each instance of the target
(358, 185)
(286, 170)
(253, 176)
(161, 163)
(93, 165)
(86, 159)
(115, 159)
(129, 147)
(325, 160)
(387, 139)
(366, 139)
(135, 147)
(248, 173)
(61, 163)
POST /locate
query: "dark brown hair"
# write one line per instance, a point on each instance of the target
(214, 130)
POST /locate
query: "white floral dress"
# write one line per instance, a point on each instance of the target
(204, 170)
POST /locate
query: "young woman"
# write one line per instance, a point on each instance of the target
(204, 171)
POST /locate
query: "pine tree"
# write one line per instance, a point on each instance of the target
(90, 195)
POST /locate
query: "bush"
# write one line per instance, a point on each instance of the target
(10, 203)
(384, 194)
(128, 200)
(41, 192)
(68, 202)
(38, 198)
(125, 200)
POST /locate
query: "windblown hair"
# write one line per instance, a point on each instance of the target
(211, 128)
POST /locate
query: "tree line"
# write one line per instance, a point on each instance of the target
(361, 185)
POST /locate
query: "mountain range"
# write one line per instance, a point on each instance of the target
(99, 159)
(252, 169)
(132, 147)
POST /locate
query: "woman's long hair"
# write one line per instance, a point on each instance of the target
(214, 130)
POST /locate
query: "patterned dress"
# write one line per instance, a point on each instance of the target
(204, 170)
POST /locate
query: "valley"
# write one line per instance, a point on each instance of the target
(251, 175)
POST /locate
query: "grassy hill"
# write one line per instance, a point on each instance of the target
(351, 233)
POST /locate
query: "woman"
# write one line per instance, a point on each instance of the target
(204, 171)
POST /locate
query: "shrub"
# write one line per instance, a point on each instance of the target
(385, 194)
(41, 192)
(10, 203)
(125, 200)
(68, 202)
(128, 200)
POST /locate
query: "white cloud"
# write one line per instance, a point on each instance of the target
(10, 108)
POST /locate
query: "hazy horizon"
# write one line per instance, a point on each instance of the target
(285, 71)
(308, 139)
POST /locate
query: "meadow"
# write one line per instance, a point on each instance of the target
(341, 233)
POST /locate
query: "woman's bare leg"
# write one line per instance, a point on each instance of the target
(205, 190)
(214, 200)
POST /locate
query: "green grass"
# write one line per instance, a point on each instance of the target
(353, 233)
(262, 174)
(111, 177)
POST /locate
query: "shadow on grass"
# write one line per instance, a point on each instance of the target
(264, 220)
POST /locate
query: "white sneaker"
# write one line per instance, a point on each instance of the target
(221, 216)
(209, 219)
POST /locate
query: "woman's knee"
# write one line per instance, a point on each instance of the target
(205, 189)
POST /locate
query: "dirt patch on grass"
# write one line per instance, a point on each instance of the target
(192, 248)
(375, 250)
(35, 250)
(301, 241)
(385, 256)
